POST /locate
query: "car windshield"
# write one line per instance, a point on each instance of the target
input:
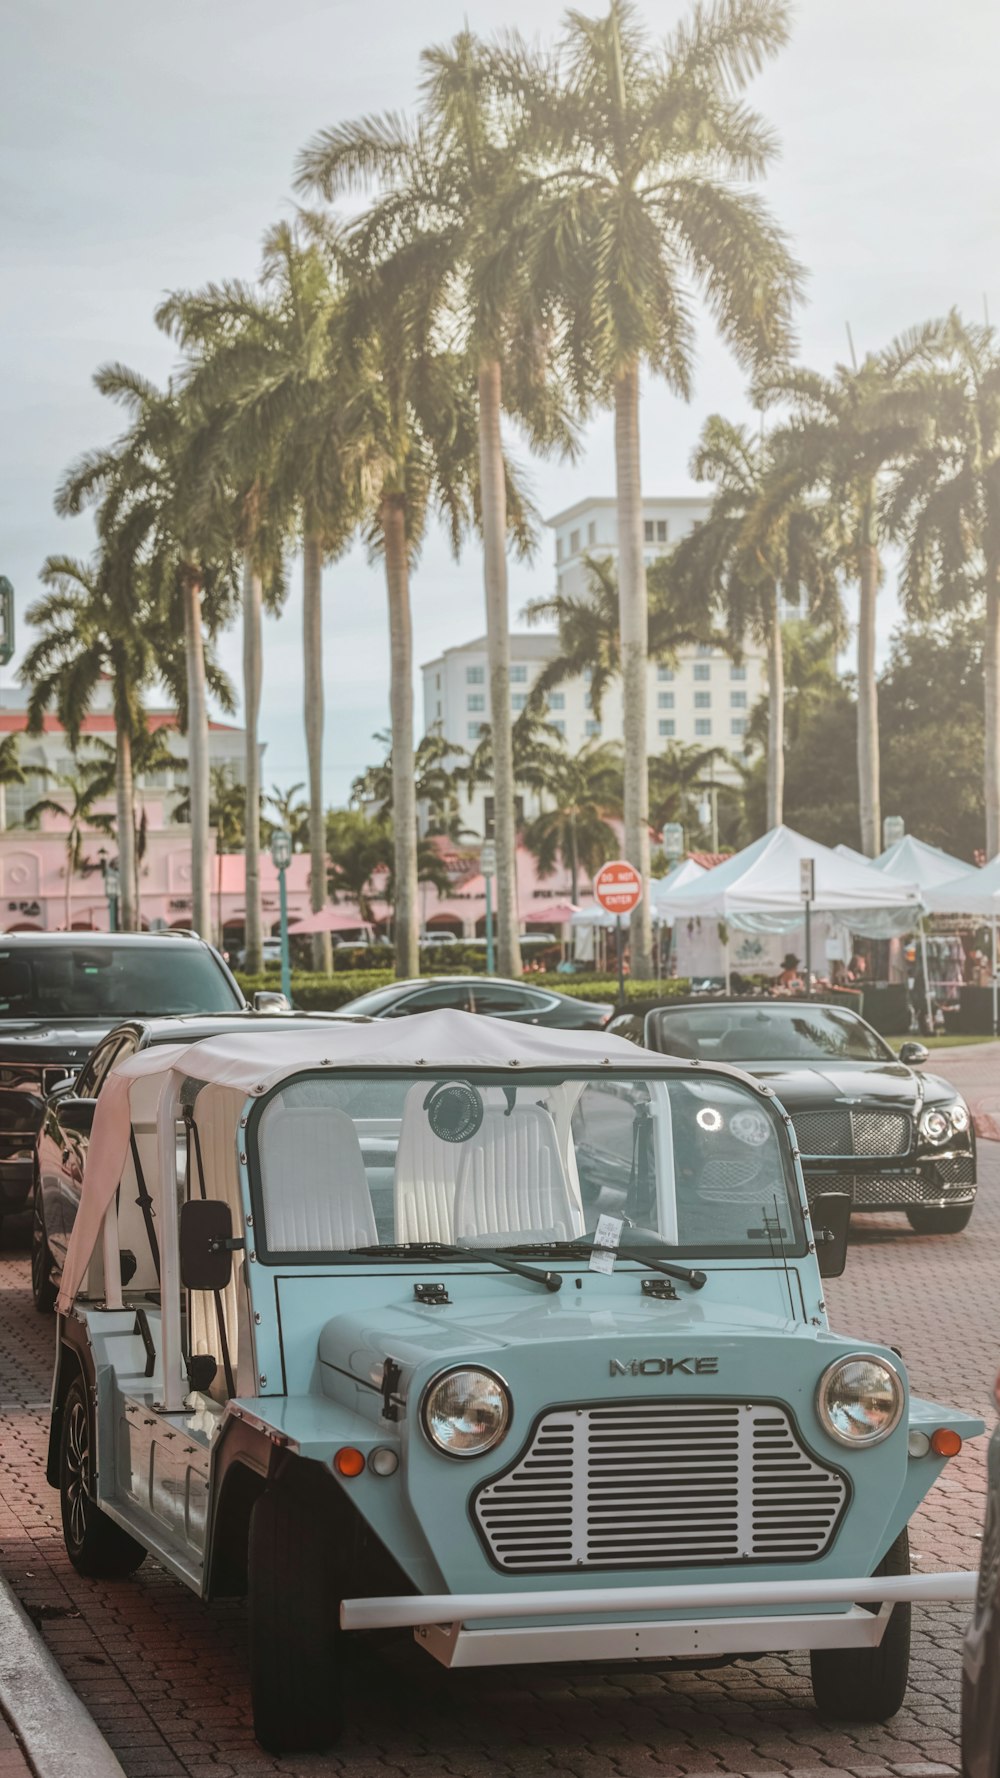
(112, 981)
(348, 1166)
(744, 1032)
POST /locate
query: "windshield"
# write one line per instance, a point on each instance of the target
(374, 1165)
(749, 1033)
(112, 981)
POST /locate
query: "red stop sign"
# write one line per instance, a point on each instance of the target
(618, 887)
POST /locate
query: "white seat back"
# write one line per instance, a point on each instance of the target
(512, 1179)
(425, 1176)
(316, 1196)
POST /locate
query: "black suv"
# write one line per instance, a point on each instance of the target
(60, 992)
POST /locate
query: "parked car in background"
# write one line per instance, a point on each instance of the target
(981, 1655)
(64, 1134)
(489, 994)
(60, 992)
(867, 1122)
(270, 952)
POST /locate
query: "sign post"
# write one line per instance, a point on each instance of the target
(281, 858)
(807, 886)
(618, 889)
(488, 866)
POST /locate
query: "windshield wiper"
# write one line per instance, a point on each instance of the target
(583, 1250)
(447, 1250)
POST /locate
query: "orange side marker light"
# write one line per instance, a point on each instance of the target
(350, 1462)
(945, 1442)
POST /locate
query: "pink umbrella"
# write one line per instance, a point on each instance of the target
(329, 919)
(559, 914)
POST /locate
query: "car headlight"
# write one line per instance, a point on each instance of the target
(860, 1400)
(959, 1114)
(465, 1412)
(935, 1125)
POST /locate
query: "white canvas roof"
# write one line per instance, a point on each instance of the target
(914, 861)
(758, 889)
(975, 892)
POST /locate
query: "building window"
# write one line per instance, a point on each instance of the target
(665, 675)
(703, 700)
(560, 728)
(705, 648)
(474, 731)
(588, 674)
(439, 709)
(592, 728)
(703, 725)
(476, 700)
(475, 676)
(557, 700)
(737, 700)
(518, 700)
(738, 673)
(558, 549)
(664, 700)
(574, 543)
(702, 670)
(661, 530)
(667, 726)
(738, 726)
(647, 531)
(591, 534)
(519, 675)
(437, 682)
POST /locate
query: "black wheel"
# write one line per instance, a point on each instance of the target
(868, 1684)
(940, 1222)
(296, 1644)
(96, 1546)
(42, 1288)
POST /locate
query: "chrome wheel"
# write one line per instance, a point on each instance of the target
(76, 1471)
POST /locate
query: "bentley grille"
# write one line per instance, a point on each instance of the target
(873, 1135)
(661, 1484)
(953, 1178)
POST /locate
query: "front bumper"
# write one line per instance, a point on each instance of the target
(475, 1629)
(939, 1182)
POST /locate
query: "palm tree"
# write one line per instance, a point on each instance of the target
(439, 188)
(292, 813)
(158, 513)
(752, 552)
(83, 788)
(583, 789)
(846, 433)
(944, 506)
(534, 739)
(436, 776)
(635, 200)
(88, 632)
(11, 771)
(227, 812)
(677, 778)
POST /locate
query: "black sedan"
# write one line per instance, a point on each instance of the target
(490, 994)
(866, 1122)
(981, 1658)
(60, 1148)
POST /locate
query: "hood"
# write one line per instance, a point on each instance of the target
(798, 1084)
(52, 1040)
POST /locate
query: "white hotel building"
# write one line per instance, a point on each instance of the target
(702, 699)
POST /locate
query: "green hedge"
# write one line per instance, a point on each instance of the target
(325, 993)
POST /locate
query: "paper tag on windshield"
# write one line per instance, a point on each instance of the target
(607, 1235)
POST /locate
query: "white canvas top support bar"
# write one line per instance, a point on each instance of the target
(450, 1608)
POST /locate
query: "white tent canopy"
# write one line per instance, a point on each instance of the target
(913, 861)
(759, 889)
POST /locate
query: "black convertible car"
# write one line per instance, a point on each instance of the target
(866, 1122)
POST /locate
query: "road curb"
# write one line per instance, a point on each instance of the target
(57, 1733)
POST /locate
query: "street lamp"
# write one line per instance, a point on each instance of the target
(281, 858)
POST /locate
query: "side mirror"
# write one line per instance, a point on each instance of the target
(831, 1221)
(913, 1054)
(77, 1115)
(206, 1244)
(268, 1000)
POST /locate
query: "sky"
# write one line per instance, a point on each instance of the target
(145, 148)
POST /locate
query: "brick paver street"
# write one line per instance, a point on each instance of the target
(166, 1681)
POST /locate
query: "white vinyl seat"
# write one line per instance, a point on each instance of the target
(512, 1179)
(425, 1176)
(316, 1194)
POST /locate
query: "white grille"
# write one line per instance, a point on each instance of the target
(660, 1485)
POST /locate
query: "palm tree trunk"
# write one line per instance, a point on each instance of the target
(197, 737)
(70, 850)
(404, 802)
(574, 863)
(991, 712)
(312, 680)
(125, 818)
(494, 504)
(775, 718)
(634, 628)
(253, 593)
(868, 748)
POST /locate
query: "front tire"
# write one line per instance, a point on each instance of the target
(42, 1288)
(868, 1684)
(96, 1546)
(296, 1644)
(940, 1222)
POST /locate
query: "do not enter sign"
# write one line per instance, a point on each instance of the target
(618, 887)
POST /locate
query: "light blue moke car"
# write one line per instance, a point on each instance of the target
(515, 1337)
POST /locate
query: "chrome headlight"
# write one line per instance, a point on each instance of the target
(935, 1125)
(959, 1114)
(860, 1400)
(465, 1412)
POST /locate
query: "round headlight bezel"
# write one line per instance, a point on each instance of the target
(938, 1114)
(472, 1370)
(851, 1441)
(960, 1117)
